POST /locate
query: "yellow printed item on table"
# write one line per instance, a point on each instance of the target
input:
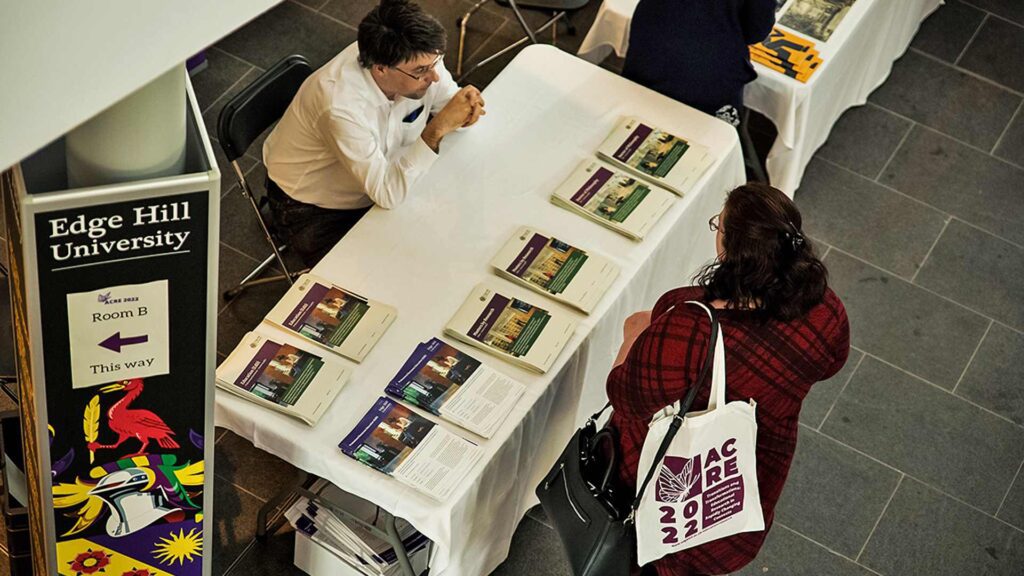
(788, 54)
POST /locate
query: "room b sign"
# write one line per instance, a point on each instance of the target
(118, 332)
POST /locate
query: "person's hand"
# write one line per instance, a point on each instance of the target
(631, 330)
(464, 109)
(476, 101)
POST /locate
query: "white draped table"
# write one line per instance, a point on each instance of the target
(546, 112)
(857, 59)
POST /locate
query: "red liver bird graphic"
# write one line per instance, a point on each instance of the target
(142, 425)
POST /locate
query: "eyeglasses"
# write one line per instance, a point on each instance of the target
(421, 72)
(714, 223)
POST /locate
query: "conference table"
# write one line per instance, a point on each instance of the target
(857, 59)
(546, 112)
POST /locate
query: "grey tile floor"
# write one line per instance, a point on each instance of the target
(909, 459)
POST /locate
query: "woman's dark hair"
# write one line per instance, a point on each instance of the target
(396, 31)
(768, 264)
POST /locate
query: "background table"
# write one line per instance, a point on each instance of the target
(547, 112)
(857, 59)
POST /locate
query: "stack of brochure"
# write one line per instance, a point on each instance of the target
(394, 440)
(656, 155)
(283, 373)
(332, 317)
(447, 382)
(614, 198)
(555, 268)
(517, 331)
(347, 535)
(787, 53)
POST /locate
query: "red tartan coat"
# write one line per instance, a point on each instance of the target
(775, 363)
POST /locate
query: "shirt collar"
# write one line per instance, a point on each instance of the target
(373, 91)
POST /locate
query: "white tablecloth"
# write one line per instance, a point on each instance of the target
(857, 59)
(546, 112)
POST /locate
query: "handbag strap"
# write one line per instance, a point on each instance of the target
(677, 420)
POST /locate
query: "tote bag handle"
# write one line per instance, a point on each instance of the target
(677, 420)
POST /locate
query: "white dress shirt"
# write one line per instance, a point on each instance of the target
(342, 144)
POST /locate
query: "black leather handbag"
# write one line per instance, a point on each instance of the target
(580, 498)
(593, 516)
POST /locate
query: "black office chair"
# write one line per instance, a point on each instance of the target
(559, 10)
(243, 119)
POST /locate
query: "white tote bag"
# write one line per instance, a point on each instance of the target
(705, 487)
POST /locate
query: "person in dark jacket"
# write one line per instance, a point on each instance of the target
(784, 330)
(695, 51)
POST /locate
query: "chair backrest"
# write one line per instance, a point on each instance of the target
(260, 104)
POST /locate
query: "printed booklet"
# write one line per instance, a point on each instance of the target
(347, 535)
(332, 317)
(613, 198)
(515, 330)
(656, 155)
(415, 451)
(447, 382)
(283, 373)
(555, 268)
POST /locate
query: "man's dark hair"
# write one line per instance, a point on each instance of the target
(768, 264)
(396, 31)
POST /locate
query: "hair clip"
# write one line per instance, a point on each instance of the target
(796, 239)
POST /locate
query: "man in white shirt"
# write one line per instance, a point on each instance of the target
(364, 128)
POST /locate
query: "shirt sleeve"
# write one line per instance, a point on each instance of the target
(659, 367)
(385, 180)
(757, 17)
(446, 89)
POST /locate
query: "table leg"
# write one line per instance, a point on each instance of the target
(397, 544)
(262, 529)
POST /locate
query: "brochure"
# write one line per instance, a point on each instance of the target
(332, 317)
(613, 198)
(788, 54)
(816, 18)
(555, 268)
(447, 382)
(415, 451)
(656, 155)
(283, 373)
(512, 329)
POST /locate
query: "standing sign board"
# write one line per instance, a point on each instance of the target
(114, 297)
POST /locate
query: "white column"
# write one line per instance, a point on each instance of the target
(142, 136)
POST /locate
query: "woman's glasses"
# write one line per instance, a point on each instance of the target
(714, 223)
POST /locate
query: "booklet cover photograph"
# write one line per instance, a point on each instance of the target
(651, 151)
(509, 324)
(280, 373)
(548, 263)
(327, 314)
(433, 375)
(386, 436)
(611, 196)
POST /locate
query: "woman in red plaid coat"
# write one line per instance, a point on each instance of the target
(784, 330)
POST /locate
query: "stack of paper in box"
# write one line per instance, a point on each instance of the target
(283, 373)
(351, 540)
(555, 268)
(514, 330)
(656, 155)
(614, 198)
(787, 53)
(332, 317)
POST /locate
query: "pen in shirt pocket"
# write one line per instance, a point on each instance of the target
(412, 116)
